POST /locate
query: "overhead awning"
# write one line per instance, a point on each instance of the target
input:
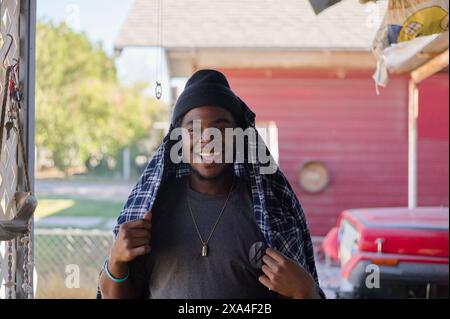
(320, 5)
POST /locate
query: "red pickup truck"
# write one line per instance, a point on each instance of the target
(391, 252)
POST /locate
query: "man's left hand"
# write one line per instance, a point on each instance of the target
(286, 277)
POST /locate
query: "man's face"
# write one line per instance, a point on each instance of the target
(205, 161)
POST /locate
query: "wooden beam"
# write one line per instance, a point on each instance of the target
(413, 115)
(182, 62)
(433, 66)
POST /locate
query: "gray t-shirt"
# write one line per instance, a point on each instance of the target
(175, 268)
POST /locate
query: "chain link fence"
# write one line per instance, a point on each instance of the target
(68, 262)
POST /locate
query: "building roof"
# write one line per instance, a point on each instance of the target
(260, 24)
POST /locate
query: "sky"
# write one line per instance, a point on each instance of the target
(89, 16)
(101, 20)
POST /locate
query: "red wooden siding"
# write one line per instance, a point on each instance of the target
(434, 110)
(433, 141)
(361, 137)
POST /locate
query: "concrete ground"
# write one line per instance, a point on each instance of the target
(105, 191)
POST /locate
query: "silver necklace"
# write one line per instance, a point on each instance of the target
(205, 243)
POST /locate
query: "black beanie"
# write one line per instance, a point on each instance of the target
(207, 88)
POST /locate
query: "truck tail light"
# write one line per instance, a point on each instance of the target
(385, 262)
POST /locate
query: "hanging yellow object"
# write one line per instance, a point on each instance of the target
(427, 21)
(409, 19)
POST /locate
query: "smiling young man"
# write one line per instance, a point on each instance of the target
(207, 227)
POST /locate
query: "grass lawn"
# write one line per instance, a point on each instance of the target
(62, 207)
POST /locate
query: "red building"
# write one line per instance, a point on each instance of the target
(361, 137)
(311, 76)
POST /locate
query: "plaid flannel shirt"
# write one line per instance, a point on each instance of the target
(277, 210)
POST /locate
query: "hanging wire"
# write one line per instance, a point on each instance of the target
(159, 59)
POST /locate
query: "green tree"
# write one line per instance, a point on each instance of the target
(82, 109)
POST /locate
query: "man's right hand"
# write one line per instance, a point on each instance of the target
(133, 240)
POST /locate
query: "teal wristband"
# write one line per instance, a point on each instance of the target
(110, 276)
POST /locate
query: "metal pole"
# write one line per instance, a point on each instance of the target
(433, 66)
(126, 164)
(31, 115)
(413, 115)
(27, 57)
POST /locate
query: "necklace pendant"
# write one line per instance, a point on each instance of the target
(205, 250)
